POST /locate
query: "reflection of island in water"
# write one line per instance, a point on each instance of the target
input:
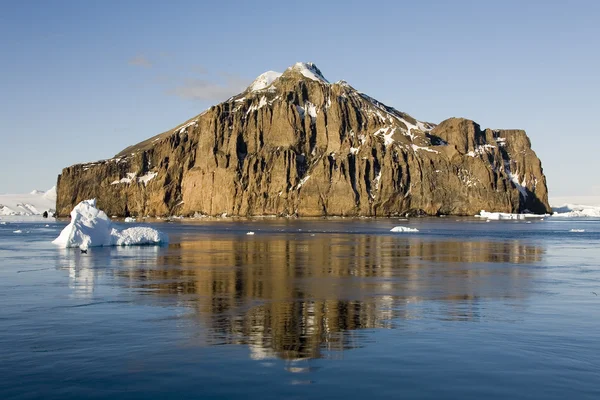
(294, 296)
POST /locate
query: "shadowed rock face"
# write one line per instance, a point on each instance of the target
(294, 144)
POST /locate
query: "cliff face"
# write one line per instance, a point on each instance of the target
(294, 144)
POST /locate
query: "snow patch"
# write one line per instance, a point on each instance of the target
(264, 80)
(182, 128)
(387, 134)
(479, 150)
(417, 148)
(147, 178)
(91, 227)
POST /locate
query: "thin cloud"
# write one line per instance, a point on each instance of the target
(140, 61)
(201, 89)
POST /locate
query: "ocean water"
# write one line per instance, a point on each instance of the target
(462, 309)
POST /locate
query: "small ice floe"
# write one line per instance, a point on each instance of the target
(250, 233)
(129, 219)
(91, 227)
(577, 230)
(497, 216)
(403, 229)
(18, 231)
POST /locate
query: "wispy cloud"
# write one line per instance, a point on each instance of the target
(202, 89)
(140, 61)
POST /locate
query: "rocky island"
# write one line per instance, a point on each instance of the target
(294, 144)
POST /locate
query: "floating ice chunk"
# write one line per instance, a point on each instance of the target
(137, 235)
(129, 219)
(577, 230)
(18, 231)
(508, 216)
(250, 233)
(91, 227)
(403, 229)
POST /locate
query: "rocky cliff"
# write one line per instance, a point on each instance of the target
(295, 144)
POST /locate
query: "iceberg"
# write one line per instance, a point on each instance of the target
(507, 216)
(91, 227)
(576, 210)
(403, 229)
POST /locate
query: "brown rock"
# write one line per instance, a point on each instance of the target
(309, 148)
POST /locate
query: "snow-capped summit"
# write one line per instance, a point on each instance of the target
(309, 70)
(264, 80)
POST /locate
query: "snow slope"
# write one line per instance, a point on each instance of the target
(31, 204)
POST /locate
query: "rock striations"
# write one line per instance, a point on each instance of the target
(295, 144)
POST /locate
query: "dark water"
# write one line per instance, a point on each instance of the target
(306, 309)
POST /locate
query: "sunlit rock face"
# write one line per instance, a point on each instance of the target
(295, 144)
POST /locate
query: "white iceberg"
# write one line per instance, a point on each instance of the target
(403, 229)
(576, 210)
(91, 227)
(507, 216)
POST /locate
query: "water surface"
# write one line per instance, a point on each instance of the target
(306, 309)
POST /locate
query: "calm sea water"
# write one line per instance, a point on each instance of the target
(463, 309)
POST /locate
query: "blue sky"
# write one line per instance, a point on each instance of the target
(82, 80)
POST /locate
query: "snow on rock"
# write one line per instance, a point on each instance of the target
(403, 229)
(264, 80)
(417, 148)
(507, 216)
(480, 150)
(131, 177)
(147, 177)
(310, 71)
(91, 227)
(576, 210)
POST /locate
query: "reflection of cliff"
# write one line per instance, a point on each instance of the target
(293, 296)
